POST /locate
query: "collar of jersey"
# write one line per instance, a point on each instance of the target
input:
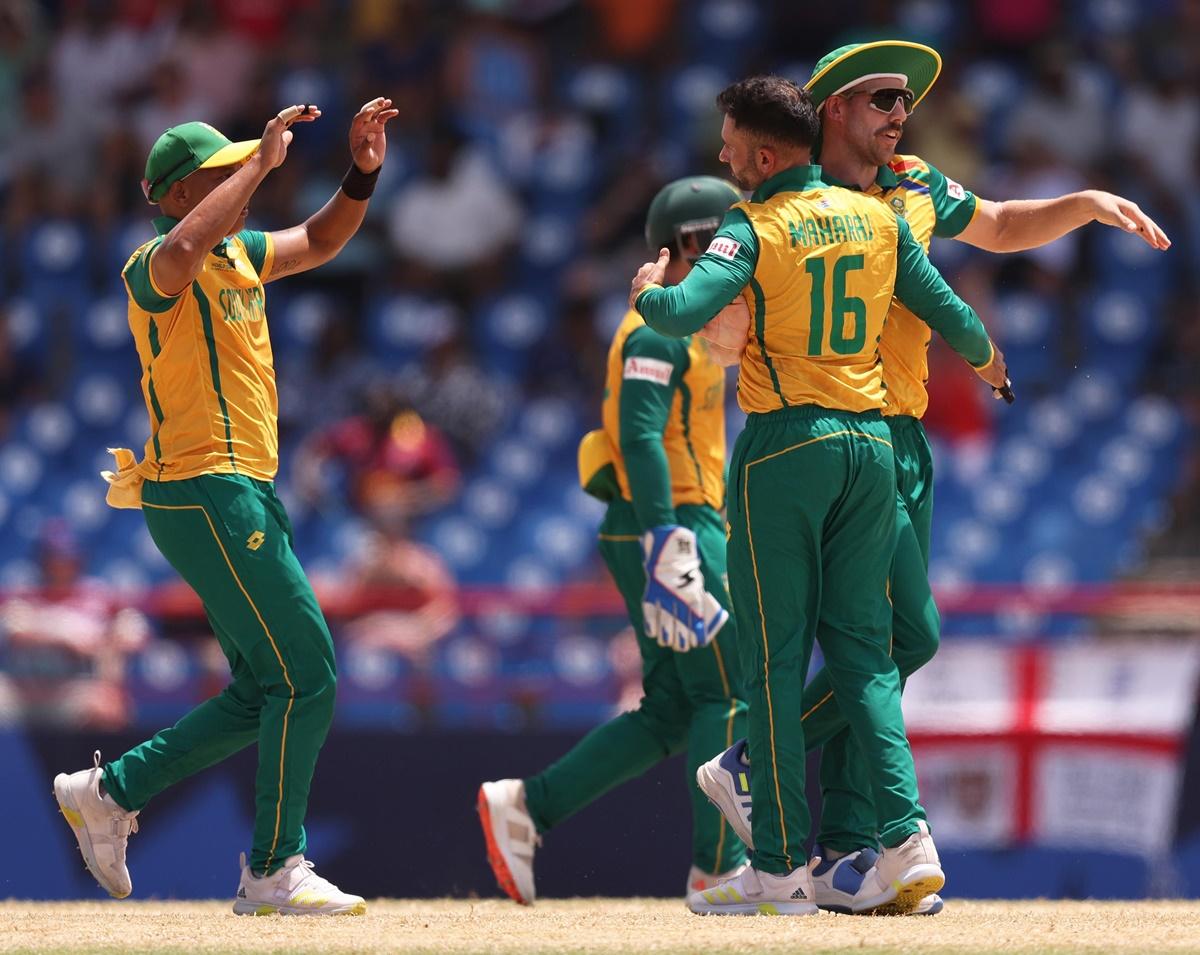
(793, 179)
(885, 179)
(164, 224)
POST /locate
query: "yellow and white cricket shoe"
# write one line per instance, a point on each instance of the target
(902, 877)
(758, 893)
(296, 889)
(101, 827)
(511, 837)
(698, 879)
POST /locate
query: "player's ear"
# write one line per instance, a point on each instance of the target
(765, 157)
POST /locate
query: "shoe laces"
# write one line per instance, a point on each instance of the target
(310, 879)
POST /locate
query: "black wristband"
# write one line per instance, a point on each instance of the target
(359, 185)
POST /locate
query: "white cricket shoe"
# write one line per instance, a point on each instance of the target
(758, 893)
(698, 879)
(296, 889)
(902, 877)
(836, 882)
(725, 780)
(511, 837)
(101, 827)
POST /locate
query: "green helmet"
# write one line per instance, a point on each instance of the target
(685, 214)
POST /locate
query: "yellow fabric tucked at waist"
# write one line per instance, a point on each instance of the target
(125, 484)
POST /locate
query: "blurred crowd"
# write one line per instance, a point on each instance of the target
(531, 136)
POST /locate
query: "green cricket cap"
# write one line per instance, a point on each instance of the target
(183, 149)
(687, 212)
(914, 63)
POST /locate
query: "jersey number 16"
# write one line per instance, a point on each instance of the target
(842, 306)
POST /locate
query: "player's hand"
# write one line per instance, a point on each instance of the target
(1122, 214)
(368, 141)
(679, 613)
(652, 273)
(996, 373)
(276, 137)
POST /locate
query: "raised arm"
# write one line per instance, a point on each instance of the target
(925, 293)
(1018, 224)
(179, 258)
(716, 279)
(322, 236)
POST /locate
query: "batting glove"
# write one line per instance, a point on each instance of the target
(679, 613)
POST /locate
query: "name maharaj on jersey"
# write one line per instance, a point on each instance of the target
(830, 230)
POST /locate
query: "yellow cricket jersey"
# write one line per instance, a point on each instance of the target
(932, 205)
(649, 377)
(819, 297)
(818, 267)
(207, 372)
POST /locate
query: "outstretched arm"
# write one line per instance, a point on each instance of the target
(321, 237)
(1019, 224)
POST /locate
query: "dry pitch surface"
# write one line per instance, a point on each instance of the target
(616, 926)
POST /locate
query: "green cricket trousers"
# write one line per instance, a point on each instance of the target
(691, 700)
(229, 537)
(812, 515)
(848, 811)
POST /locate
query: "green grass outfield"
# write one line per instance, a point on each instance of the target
(495, 927)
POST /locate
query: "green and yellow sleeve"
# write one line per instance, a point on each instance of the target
(953, 205)
(925, 293)
(648, 387)
(140, 284)
(716, 279)
(259, 249)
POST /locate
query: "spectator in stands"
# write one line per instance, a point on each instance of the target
(65, 645)
(99, 59)
(456, 223)
(1164, 109)
(216, 63)
(397, 465)
(494, 71)
(50, 136)
(450, 389)
(1067, 113)
(171, 102)
(407, 593)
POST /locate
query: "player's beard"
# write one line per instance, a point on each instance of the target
(747, 178)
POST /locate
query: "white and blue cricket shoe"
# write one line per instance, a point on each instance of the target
(837, 881)
(838, 885)
(725, 780)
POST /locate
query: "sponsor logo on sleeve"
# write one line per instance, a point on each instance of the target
(954, 190)
(725, 248)
(648, 369)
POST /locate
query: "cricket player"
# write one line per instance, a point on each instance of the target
(659, 463)
(811, 506)
(865, 93)
(197, 312)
